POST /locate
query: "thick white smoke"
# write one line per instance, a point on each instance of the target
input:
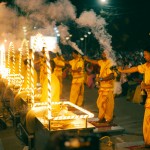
(61, 10)
(30, 5)
(42, 17)
(97, 25)
(9, 25)
(37, 16)
(63, 33)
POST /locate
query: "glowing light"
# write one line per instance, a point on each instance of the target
(15, 79)
(2, 56)
(3, 71)
(86, 114)
(8, 59)
(85, 36)
(89, 32)
(32, 77)
(11, 49)
(67, 38)
(28, 65)
(81, 39)
(49, 84)
(55, 28)
(57, 31)
(51, 42)
(25, 31)
(103, 0)
(14, 58)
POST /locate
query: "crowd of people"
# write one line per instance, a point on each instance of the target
(125, 84)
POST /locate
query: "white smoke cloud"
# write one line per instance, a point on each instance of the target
(61, 10)
(63, 33)
(42, 13)
(97, 25)
(9, 25)
(87, 19)
(37, 16)
(44, 17)
(30, 5)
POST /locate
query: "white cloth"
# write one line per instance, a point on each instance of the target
(117, 88)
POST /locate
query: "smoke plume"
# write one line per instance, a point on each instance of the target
(41, 17)
(97, 24)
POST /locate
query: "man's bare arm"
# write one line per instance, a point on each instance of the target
(129, 70)
(91, 60)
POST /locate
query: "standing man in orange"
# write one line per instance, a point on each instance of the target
(145, 70)
(77, 85)
(59, 64)
(105, 101)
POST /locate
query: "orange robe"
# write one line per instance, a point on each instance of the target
(105, 101)
(43, 70)
(58, 71)
(144, 69)
(77, 86)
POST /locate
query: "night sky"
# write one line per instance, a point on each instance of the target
(128, 21)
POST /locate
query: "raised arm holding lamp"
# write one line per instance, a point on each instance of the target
(105, 100)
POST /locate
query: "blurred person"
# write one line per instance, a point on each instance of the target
(59, 65)
(117, 83)
(105, 101)
(137, 98)
(124, 80)
(145, 70)
(117, 86)
(43, 71)
(26, 82)
(55, 86)
(90, 76)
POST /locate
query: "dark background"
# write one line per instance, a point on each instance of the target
(128, 21)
